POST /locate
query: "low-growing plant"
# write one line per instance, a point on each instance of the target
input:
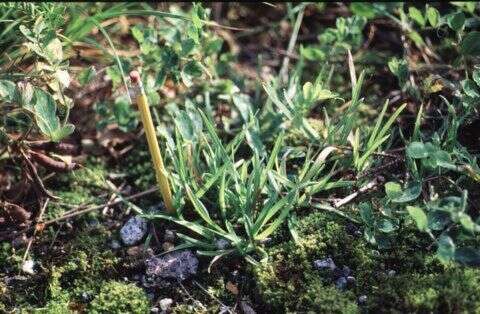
(239, 201)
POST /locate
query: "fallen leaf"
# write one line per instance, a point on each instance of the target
(232, 288)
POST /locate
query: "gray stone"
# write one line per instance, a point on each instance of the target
(27, 267)
(222, 244)
(224, 310)
(350, 280)
(341, 283)
(165, 304)
(324, 263)
(246, 308)
(115, 245)
(391, 273)
(178, 265)
(346, 271)
(134, 230)
(86, 297)
(362, 299)
(169, 236)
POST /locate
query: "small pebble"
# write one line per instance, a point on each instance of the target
(165, 304)
(266, 241)
(167, 246)
(351, 280)
(362, 299)
(246, 308)
(224, 310)
(341, 283)
(86, 297)
(27, 267)
(115, 245)
(221, 244)
(135, 250)
(391, 273)
(150, 296)
(169, 236)
(324, 263)
(160, 207)
(134, 230)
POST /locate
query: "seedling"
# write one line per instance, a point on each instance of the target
(154, 148)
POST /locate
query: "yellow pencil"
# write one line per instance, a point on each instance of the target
(153, 146)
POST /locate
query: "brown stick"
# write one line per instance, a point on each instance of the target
(36, 177)
(52, 164)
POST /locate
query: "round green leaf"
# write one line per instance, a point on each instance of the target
(411, 192)
(470, 44)
(445, 249)
(470, 88)
(468, 256)
(385, 225)
(393, 190)
(417, 150)
(419, 217)
(456, 21)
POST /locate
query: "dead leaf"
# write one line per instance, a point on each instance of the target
(232, 288)
(14, 214)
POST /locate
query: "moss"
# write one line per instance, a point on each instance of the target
(77, 187)
(117, 297)
(453, 291)
(90, 262)
(75, 281)
(289, 282)
(5, 254)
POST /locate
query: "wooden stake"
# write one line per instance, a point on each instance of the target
(153, 146)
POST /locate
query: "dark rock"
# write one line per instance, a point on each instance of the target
(337, 273)
(350, 280)
(178, 265)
